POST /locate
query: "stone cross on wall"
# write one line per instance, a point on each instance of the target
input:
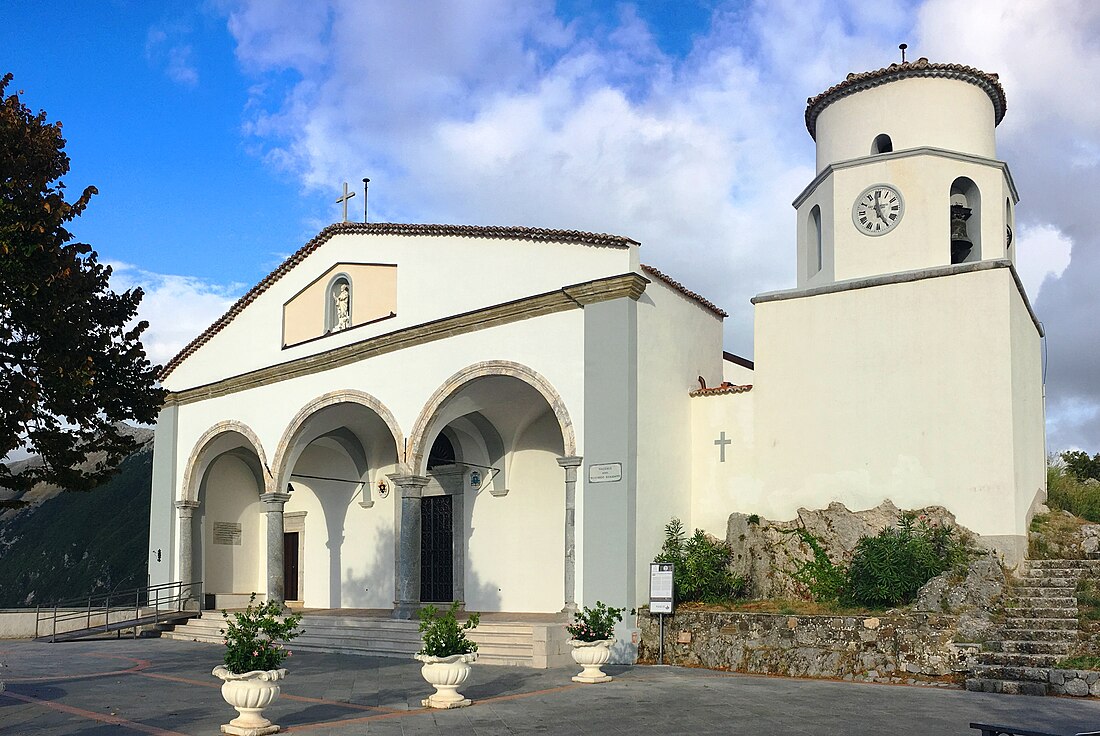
(722, 442)
(344, 200)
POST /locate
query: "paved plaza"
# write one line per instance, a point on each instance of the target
(161, 687)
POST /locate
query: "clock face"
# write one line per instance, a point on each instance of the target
(878, 210)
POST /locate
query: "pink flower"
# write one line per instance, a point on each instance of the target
(255, 653)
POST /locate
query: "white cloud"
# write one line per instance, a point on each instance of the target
(177, 307)
(164, 47)
(1042, 251)
(497, 112)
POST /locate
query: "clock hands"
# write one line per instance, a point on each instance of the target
(878, 207)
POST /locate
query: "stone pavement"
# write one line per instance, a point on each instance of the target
(164, 688)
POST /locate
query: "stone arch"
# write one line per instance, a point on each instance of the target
(191, 479)
(416, 456)
(347, 396)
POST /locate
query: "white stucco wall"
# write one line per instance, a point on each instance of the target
(720, 488)
(678, 341)
(944, 113)
(231, 496)
(901, 391)
(436, 277)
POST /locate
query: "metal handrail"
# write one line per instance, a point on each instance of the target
(178, 593)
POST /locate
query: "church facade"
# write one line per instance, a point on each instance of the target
(509, 417)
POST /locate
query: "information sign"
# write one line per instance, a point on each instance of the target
(661, 575)
(605, 472)
(227, 532)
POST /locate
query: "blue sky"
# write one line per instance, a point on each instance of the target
(219, 133)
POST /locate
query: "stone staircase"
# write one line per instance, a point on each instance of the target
(536, 644)
(1040, 628)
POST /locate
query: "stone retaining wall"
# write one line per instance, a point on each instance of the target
(888, 648)
(1079, 683)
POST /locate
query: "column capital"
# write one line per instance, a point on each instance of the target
(186, 507)
(411, 486)
(274, 501)
(570, 461)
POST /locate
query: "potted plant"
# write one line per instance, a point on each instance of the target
(254, 649)
(446, 654)
(593, 634)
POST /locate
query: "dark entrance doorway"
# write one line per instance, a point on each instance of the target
(290, 566)
(436, 549)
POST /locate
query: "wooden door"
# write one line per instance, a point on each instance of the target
(290, 566)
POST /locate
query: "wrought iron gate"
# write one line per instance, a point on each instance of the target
(436, 549)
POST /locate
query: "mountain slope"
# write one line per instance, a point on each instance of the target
(69, 544)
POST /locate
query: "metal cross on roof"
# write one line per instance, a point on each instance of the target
(347, 195)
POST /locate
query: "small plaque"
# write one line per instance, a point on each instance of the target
(605, 472)
(227, 532)
(661, 575)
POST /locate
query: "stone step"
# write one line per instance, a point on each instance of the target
(1057, 564)
(1043, 591)
(1011, 659)
(1032, 634)
(1000, 672)
(1015, 646)
(505, 643)
(1042, 607)
(1048, 581)
(1066, 597)
(1006, 687)
(1031, 623)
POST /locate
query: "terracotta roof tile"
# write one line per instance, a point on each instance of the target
(537, 234)
(668, 280)
(725, 388)
(987, 81)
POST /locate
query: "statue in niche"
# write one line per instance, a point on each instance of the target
(341, 302)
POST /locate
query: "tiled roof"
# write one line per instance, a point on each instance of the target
(987, 81)
(725, 388)
(684, 290)
(538, 234)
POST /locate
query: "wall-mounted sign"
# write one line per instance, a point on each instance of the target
(227, 532)
(605, 472)
(661, 575)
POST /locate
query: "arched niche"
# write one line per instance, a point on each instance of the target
(965, 204)
(881, 144)
(813, 240)
(338, 303)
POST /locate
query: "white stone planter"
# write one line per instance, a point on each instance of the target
(250, 693)
(445, 674)
(591, 655)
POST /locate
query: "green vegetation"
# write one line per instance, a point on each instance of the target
(1088, 605)
(79, 544)
(824, 580)
(1083, 662)
(441, 633)
(254, 637)
(889, 568)
(595, 624)
(702, 566)
(1069, 487)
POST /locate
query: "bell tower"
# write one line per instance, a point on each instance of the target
(906, 362)
(907, 174)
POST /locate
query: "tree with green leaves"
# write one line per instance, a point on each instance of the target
(71, 359)
(1081, 465)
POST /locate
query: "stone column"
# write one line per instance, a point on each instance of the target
(406, 582)
(186, 512)
(273, 508)
(570, 465)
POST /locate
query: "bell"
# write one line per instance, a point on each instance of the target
(960, 241)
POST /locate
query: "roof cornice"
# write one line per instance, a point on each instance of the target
(988, 82)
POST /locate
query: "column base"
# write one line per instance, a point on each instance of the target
(406, 610)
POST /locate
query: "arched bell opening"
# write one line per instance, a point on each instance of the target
(966, 221)
(814, 241)
(881, 144)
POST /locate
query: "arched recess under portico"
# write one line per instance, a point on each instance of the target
(222, 539)
(337, 525)
(501, 495)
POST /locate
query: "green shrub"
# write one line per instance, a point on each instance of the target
(254, 638)
(1080, 465)
(1068, 492)
(441, 633)
(595, 624)
(889, 568)
(702, 566)
(824, 580)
